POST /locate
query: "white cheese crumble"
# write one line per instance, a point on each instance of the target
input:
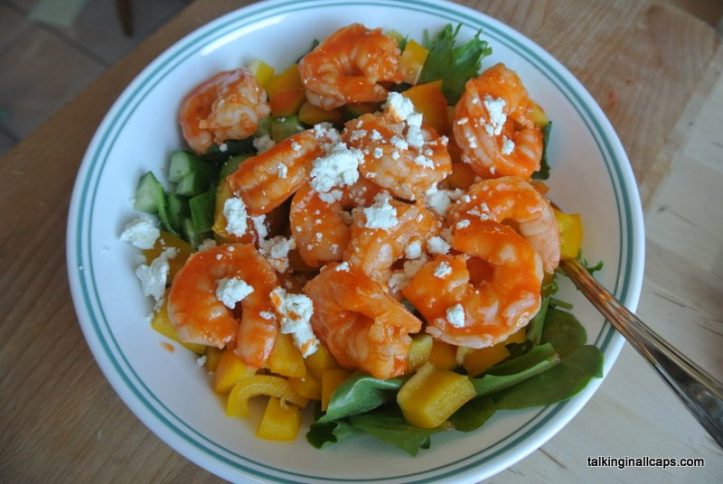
(437, 245)
(381, 215)
(267, 315)
(295, 311)
(339, 167)
(455, 316)
(411, 267)
(442, 270)
(234, 209)
(462, 223)
(398, 106)
(378, 152)
(263, 143)
(282, 170)
(343, 267)
(153, 276)
(259, 222)
(276, 250)
(232, 290)
(206, 244)
(397, 281)
(508, 146)
(423, 161)
(331, 197)
(141, 232)
(440, 200)
(413, 250)
(496, 109)
(201, 360)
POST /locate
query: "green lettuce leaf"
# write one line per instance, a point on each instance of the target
(454, 64)
(358, 394)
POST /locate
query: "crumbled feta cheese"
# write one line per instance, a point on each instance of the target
(234, 209)
(423, 161)
(141, 232)
(442, 270)
(496, 109)
(232, 290)
(397, 281)
(295, 311)
(263, 143)
(259, 222)
(267, 315)
(381, 215)
(223, 147)
(276, 250)
(508, 146)
(375, 136)
(395, 155)
(282, 170)
(464, 223)
(296, 147)
(440, 200)
(414, 137)
(206, 244)
(413, 250)
(378, 152)
(331, 197)
(399, 143)
(201, 360)
(357, 134)
(343, 267)
(437, 245)
(153, 276)
(398, 106)
(462, 121)
(411, 267)
(339, 167)
(455, 316)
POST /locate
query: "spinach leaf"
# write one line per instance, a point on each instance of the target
(322, 433)
(534, 329)
(473, 414)
(563, 331)
(359, 394)
(390, 426)
(544, 172)
(512, 372)
(232, 148)
(559, 383)
(455, 65)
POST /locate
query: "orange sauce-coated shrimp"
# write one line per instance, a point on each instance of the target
(201, 317)
(361, 325)
(494, 128)
(348, 66)
(227, 106)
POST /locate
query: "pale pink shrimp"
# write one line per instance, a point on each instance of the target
(406, 160)
(320, 224)
(266, 180)
(348, 66)
(374, 248)
(461, 313)
(227, 106)
(362, 326)
(513, 199)
(494, 128)
(200, 317)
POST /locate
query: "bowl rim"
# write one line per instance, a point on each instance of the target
(540, 428)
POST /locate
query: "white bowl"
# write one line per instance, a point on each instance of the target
(171, 394)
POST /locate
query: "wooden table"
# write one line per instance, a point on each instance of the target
(655, 70)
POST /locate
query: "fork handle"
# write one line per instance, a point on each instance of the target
(700, 392)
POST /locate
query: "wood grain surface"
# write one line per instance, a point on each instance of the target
(655, 70)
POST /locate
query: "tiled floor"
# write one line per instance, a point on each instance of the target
(43, 66)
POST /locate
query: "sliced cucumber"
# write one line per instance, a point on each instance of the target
(282, 128)
(231, 165)
(191, 235)
(202, 210)
(192, 184)
(177, 210)
(221, 153)
(147, 194)
(184, 163)
(264, 127)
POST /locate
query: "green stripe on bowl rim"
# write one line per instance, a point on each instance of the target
(104, 140)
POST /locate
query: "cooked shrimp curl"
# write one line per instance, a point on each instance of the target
(361, 325)
(494, 128)
(227, 106)
(483, 314)
(348, 66)
(512, 199)
(200, 316)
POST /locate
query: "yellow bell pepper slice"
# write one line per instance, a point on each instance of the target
(280, 422)
(570, 225)
(230, 370)
(163, 325)
(429, 100)
(432, 395)
(286, 359)
(237, 404)
(319, 361)
(262, 71)
(311, 115)
(330, 380)
(443, 355)
(476, 361)
(213, 356)
(165, 241)
(419, 351)
(538, 115)
(412, 61)
(307, 386)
